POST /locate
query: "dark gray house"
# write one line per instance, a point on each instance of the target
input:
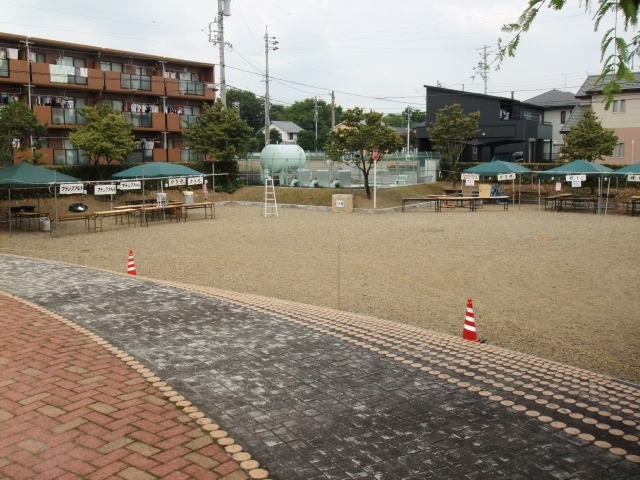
(506, 125)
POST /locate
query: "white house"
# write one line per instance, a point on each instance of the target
(288, 130)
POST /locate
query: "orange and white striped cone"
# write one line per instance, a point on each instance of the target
(469, 332)
(131, 266)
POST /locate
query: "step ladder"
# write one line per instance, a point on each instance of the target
(269, 202)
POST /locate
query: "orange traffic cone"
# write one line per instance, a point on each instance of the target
(131, 266)
(469, 332)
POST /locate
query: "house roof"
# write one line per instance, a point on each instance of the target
(449, 91)
(288, 127)
(574, 118)
(591, 84)
(554, 99)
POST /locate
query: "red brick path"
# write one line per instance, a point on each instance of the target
(71, 409)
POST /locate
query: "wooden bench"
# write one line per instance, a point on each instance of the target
(131, 212)
(173, 211)
(205, 205)
(473, 202)
(69, 218)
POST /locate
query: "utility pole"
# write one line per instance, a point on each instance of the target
(28, 44)
(269, 44)
(482, 68)
(224, 10)
(333, 111)
(408, 130)
(315, 119)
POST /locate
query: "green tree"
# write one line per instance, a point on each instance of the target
(360, 133)
(400, 119)
(274, 138)
(616, 49)
(219, 133)
(105, 135)
(250, 107)
(588, 140)
(17, 125)
(450, 132)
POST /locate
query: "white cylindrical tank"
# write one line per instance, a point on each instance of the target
(281, 160)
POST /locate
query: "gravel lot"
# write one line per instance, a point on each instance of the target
(564, 286)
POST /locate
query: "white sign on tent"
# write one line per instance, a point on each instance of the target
(195, 180)
(633, 178)
(577, 178)
(71, 188)
(176, 182)
(506, 176)
(576, 183)
(470, 176)
(104, 190)
(469, 182)
(130, 185)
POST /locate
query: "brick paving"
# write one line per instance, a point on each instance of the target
(314, 393)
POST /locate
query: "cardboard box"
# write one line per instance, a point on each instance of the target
(342, 203)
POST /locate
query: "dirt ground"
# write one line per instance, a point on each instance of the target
(564, 286)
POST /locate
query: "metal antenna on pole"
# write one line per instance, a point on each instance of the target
(269, 44)
(217, 38)
(482, 68)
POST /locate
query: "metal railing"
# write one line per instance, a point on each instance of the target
(141, 156)
(138, 119)
(135, 82)
(70, 157)
(67, 116)
(187, 155)
(187, 120)
(4, 68)
(189, 87)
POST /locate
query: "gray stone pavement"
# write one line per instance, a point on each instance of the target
(312, 393)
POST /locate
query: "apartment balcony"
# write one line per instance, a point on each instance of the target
(145, 121)
(66, 116)
(14, 71)
(130, 83)
(41, 77)
(187, 88)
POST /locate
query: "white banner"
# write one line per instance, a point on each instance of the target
(195, 180)
(469, 182)
(576, 178)
(633, 178)
(506, 176)
(104, 190)
(71, 188)
(576, 183)
(130, 185)
(176, 182)
(469, 176)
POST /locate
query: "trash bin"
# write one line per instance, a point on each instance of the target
(45, 224)
(188, 197)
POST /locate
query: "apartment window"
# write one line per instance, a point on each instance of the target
(621, 150)
(623, 106)
(187, 120)
(193, 77)
(70, 157)
(138, 119)
(563, 117)
(135, 82)
(614, 106)
(116, 105)
(4, 68)
(141, 70)
(78, 63)
(171, 143)
(110, 67)
(67, 111)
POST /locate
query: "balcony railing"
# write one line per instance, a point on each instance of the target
(189, 87)
(138, 119)
(187, 120)
(70, 157)
(67, 116)
(135, 82)
(4, 68)
(140, 156)
(187, 155)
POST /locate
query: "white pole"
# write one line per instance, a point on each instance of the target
(633, 143)
(375, 183)
(538, 193)
(55, 196)
(213, 187)
(606, 205)
(9, 212)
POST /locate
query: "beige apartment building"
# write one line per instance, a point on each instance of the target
(159, 96)
(623, 116)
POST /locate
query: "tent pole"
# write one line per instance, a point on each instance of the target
(213, 186)
(538, 193)
(599, 192)
(519, 191)
(55, 196)
(9, 212)
(144, 214)
(513, 189)
(606, 204)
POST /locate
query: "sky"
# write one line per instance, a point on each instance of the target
(374, 54)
